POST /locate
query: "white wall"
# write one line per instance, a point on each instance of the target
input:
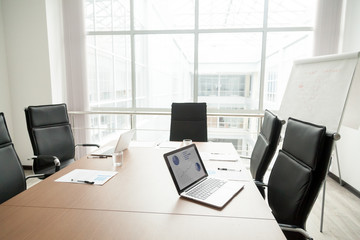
(28, 68)
(56, 49)
(5, 106)
(351, 37)
(349, 144)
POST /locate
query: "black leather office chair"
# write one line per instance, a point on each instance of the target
(12, 177)
(51, 136)
(188, 121)
(297, 175)
(265, 148)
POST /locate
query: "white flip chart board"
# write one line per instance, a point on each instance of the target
(318, 88)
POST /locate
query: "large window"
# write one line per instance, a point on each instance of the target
(235, 55)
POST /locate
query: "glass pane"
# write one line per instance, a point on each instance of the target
(164, 14)
(109, 71)
(153, 127)
(240, 131)
(229, 67)
(106, 127)
(291, 13)
(164, 69)
(230, 14)
(282, 49)
(107, 15)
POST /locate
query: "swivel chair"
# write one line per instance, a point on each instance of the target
(12, 177)
(51, 136)
(265, 148)
(297, 175)
(188, 121)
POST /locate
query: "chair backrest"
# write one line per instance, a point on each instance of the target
(12, 178)
(299, 171)
(50, 132)
(265, 146)
(188, 121)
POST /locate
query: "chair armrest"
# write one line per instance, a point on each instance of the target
(260, 184)
(293, 228)
(40, 176)
(48, 158)
(87, 145)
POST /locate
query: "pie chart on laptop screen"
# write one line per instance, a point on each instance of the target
(175, 160)
(197, 166)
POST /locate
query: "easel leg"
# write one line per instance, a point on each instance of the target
(338, 165)
(323, 207)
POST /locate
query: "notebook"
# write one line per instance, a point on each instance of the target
(122, 144)
(191, 178)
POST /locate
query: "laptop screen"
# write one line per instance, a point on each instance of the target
(185, 166)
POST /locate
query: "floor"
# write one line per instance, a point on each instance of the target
(341, 215)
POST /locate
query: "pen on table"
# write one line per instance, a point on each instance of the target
(82, 181)
(94, 156)
(228, 169)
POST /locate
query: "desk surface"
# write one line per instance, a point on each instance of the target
(141, 200)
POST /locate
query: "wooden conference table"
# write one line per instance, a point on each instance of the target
(140, 202)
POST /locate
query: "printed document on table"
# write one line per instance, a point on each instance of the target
(230, 174)
(169, 145)
(219, 156)
(86, 176)
(142, 144)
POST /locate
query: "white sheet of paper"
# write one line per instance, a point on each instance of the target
(219, 156)
(169, 145)
(236, 175)
(82, 175)
(142, 144)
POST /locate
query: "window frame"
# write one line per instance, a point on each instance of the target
(264, 30)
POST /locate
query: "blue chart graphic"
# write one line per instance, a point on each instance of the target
(175, 160)
(198, 167)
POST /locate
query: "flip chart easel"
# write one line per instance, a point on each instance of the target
(318, 92)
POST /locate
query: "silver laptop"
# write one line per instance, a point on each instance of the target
(191, 178)
(122, 144)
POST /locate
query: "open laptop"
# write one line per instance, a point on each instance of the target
(191, 178)
(122, 144)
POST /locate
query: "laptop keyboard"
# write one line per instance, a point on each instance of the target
(206, 188)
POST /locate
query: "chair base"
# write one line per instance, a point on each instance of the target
(295, 229)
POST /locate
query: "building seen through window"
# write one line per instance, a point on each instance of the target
(234, 55)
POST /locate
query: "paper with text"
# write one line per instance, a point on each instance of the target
(85, 176)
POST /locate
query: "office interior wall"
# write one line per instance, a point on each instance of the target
(351, 31)
(54, 19)
(26, 39)
(327, 27)
(5, 106)
(349, 145)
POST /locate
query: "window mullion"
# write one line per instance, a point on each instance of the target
(196, 53)
(263, 56)
(132, 49)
